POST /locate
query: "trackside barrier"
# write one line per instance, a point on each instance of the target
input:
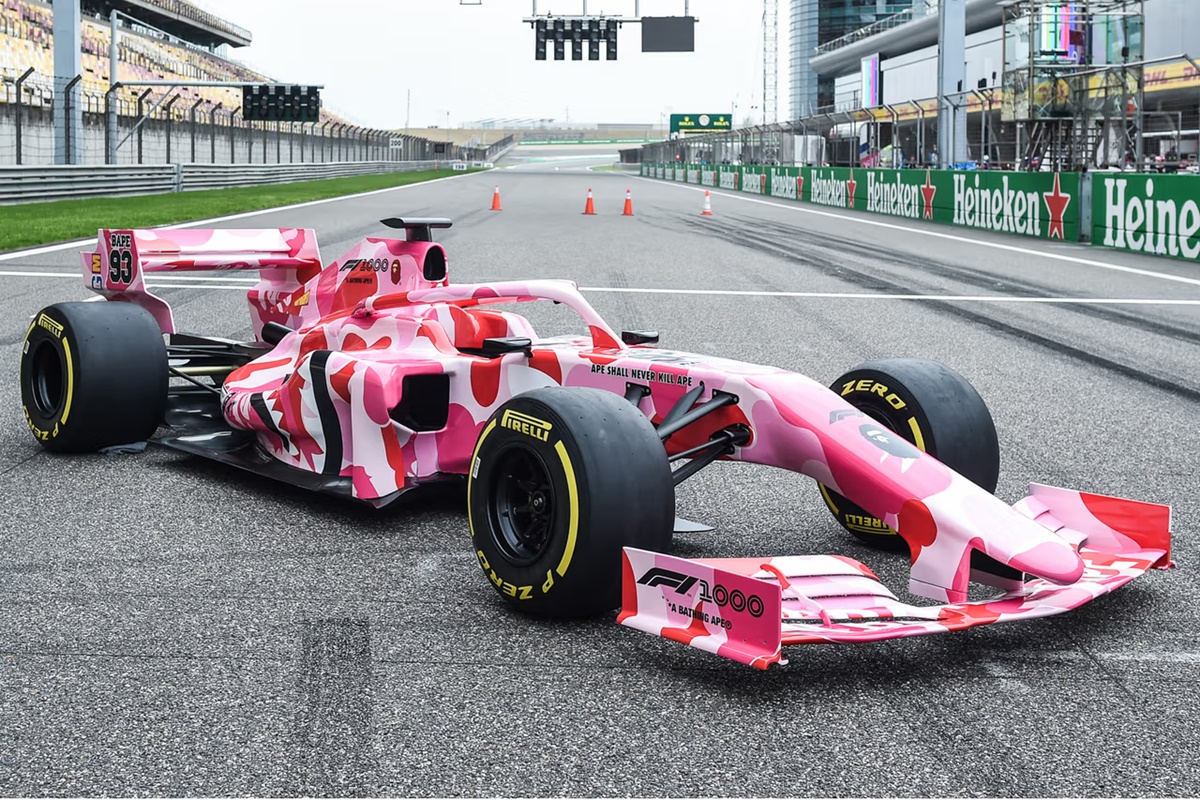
(1044, 205)
(22, 184)
(1155, 214)
(219, 176)
(30, 184)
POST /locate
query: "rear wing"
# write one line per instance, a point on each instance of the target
(285, 257)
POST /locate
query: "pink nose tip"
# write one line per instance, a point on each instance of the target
(1058, 563)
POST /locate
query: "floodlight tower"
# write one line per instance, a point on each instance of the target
(770, 27)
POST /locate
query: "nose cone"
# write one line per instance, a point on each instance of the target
(1054, 561)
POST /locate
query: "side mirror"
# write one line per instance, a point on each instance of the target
(639, 337)
(514, 344)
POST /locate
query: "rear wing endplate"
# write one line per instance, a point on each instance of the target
(116, 268)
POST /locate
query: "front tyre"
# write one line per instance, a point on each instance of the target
(561, 480)
(934, 408)
(93, 375)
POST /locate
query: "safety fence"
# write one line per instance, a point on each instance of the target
(29, 184)
(1159, 215)
(151, 127)
(1103, 128)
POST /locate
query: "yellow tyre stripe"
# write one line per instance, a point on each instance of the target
(573, 498)
(918, 439)
(471, 472)
(70, 381)
(828, 499)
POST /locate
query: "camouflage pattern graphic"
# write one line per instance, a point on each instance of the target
(329, 397)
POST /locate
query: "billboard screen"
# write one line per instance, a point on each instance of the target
(871, 91)
(668, 34)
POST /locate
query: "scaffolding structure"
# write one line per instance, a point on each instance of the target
(1074, 80)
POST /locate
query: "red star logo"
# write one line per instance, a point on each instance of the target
(927, 192)
(1057, 203)
(799, 187)
(851, 185)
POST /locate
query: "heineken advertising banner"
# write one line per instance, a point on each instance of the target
(1159, 215)
(1038, 204)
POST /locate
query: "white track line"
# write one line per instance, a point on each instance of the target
(225, 283)
(982, 298)
(55, 248)
(1087, 262)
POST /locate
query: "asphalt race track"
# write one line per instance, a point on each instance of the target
(172, 627)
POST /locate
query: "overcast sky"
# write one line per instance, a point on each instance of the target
(476, 61)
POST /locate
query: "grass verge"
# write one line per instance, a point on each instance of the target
(62, 220)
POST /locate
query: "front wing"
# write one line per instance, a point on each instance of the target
(748, 609)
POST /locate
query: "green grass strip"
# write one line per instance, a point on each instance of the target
(63, 220)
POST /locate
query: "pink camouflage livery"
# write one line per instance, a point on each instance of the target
(327, 396)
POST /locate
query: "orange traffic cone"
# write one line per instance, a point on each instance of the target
(707, 212)
(590, 208)
(628, 212)
(496, 199)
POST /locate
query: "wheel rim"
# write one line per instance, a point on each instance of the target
(46, 379)
(523, 505)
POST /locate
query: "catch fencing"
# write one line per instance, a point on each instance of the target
(194, 132)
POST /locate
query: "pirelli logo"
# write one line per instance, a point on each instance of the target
(50, 325)
(523, 423)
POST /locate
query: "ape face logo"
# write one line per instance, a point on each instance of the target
(396, 271)
(889, 442)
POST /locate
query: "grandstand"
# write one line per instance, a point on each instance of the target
(26, 40)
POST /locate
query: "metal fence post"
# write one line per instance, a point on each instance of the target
(21, 109)
(212, 130)
(278, 142)
(170, 103)
(232, 143)
(67, 109)
(141, 111)
(192, 116)
(292, 143)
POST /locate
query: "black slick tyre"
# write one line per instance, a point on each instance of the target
(934, 408)
(93, 375)
(560, 481)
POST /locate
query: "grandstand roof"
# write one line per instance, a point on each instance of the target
(178, 18)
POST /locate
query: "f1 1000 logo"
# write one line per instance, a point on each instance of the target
(718, 594)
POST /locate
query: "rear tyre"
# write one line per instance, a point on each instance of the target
(561, 480)
(93, 375)
(934, 408)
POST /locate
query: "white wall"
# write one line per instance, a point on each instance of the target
(846, 91)
(913, 76)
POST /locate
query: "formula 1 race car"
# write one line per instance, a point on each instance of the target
(373, 375)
